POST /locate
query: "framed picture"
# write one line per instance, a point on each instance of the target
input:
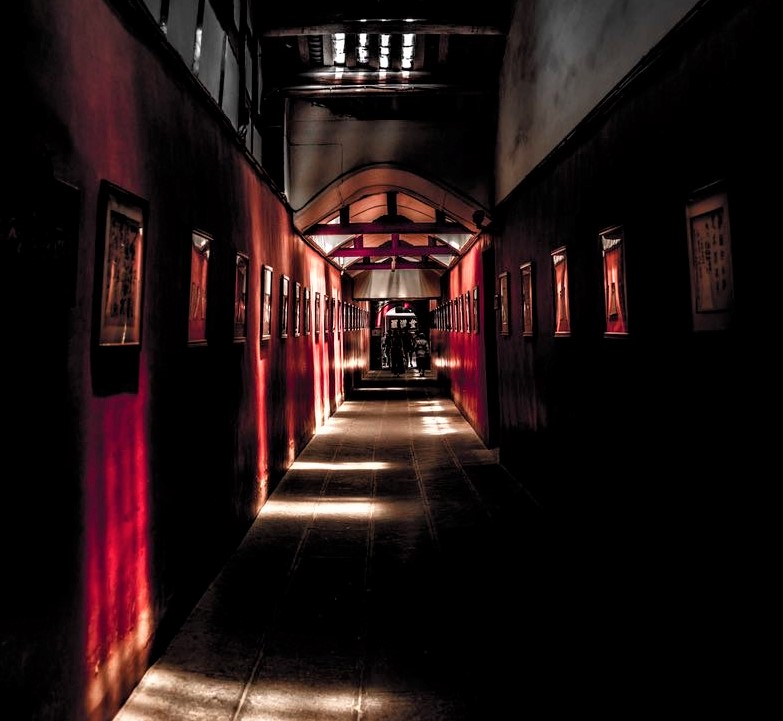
(120, 264)
(266, 302)
(710, 257)
(503, 303)
(615, 304)
(476, 310)
(308, 311)
(317, 312)
(526, 290)
(560, 287)
(240, 297)
(333, 314)
(468, 313)
(199, 273)
(297, 308)
(284, 284)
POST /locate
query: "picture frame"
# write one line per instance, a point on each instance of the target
(505, 326)
(297, 308)
(476, 314)
(120, 256)
(710, 258)
(317, 317)
(266, 302)
(200, 248)
(528, 301)
(284, 299)
(562, 319)
(468, 313)
(240, 296)
(308, 311)
(612, 242)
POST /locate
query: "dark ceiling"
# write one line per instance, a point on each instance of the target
(456, 54)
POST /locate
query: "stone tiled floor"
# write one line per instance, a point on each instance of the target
(395, 574)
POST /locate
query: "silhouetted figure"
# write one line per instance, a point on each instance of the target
(397, 353)
(408, 341)
(422, 350)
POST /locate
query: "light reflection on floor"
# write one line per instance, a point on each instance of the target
(429, 407)
(306, 506)
(437, 426)
(342, 466)
(166, 690)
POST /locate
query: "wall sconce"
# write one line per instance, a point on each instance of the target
(394, 264)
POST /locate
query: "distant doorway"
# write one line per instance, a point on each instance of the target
(391, 316)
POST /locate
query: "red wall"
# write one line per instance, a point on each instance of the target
(158, 460)
(459, 357)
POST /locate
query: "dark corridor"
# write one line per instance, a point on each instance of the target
(395, 573)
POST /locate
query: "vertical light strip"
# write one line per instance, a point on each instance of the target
(338, 48)
(384, 51)
(408, 50)
(362, 49)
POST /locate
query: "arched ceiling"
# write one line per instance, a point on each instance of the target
(386, 218)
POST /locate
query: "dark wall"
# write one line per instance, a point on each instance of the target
(137, 469)
(666, 395)
(698, 112)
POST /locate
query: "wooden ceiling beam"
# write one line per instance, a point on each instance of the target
(400, 264)
(386, 228)
(414, 251)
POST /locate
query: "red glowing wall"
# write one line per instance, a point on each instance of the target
(460, 352)
(169, 436)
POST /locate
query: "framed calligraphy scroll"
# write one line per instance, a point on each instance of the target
(560, 287)
(709, 253)
(502, 297)
(615, 303)
(199, 274)
(240, 297)
(526, 290)
(120, 263)
(266, 302)
(284, 290)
